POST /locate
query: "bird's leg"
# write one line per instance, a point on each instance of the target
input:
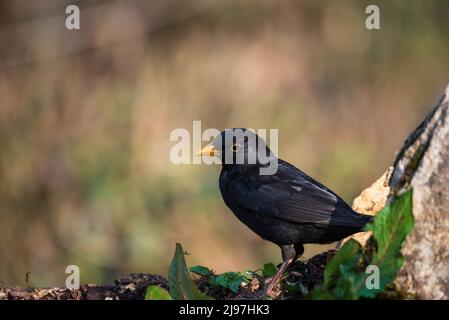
(299, 250)
(288, 256)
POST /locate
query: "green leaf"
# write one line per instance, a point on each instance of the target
(345, 288)
(155, 292)
(349, 255)
(200, 270)
(322, 294)
(228, 280)
(231, 280)
(180, 283)
(269, 270)
(390, 229)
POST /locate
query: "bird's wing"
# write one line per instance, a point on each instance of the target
(293, 196)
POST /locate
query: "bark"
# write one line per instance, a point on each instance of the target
(423, 163)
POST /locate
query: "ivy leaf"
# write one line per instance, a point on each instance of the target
(155, 292)
(269, 270)
(339, 273)
(180, 283)
(201, 271)
(228, 280)
(231, 280)
(349, 255)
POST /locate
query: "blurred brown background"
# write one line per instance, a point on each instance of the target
(85, 118)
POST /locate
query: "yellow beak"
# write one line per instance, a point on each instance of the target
(208, 150)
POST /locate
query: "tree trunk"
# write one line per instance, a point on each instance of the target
(423, 164)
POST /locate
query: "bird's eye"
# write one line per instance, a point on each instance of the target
(235, 147)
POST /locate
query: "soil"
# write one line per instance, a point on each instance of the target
(129, 287)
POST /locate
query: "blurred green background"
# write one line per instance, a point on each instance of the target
(85, 119)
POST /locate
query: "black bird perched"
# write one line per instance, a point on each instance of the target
(286, 207)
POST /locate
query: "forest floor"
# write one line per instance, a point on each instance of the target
(301, 278)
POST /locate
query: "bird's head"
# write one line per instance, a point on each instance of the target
(239, 146)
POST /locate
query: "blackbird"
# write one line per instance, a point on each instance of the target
(286, 207)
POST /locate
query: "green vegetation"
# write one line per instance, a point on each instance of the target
(227, 280)
(155, 292)
(345, 276)
(180, 283)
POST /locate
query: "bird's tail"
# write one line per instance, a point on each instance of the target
(364, 220)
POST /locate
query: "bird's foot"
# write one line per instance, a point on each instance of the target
(274, 292)
(273, 289)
